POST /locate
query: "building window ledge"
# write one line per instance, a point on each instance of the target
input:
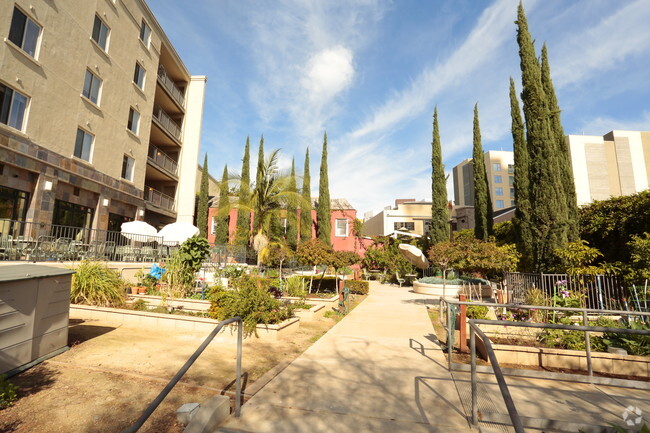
(13, 130)
(23, 53)
(101, 50)
(140, 91)
(82, 161)
(133, 134)
(91, 103)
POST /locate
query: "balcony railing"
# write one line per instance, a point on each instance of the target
(167, 123)
(161, 159)
(171, 87)
(159, 199)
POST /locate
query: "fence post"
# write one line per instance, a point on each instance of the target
(462, 325)
(472, 345)
(450, 334)
(587, 343)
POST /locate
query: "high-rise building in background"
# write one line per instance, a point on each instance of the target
(100, 119)
(499, 166)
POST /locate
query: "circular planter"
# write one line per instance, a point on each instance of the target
(451, 290)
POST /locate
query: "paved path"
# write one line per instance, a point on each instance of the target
(378, 370)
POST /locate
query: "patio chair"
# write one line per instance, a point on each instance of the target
(400, 280)
(149, 254)
(109, 251)
(43, 249)
(61, 249)
(6, 246)
(75, 250)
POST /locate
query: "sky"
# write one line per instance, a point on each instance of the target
(370, 72)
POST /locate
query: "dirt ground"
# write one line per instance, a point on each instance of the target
(111, 373)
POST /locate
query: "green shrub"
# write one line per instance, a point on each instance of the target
(95, 284)
(358, 287)
(633, 344)
(232, 272)
(252, 303)
(295, 286)
(477, 312)
(140, 305)
(8, 393)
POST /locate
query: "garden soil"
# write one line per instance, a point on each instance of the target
(111, 373)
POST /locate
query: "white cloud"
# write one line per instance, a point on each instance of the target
(328, 73)
(603, 124)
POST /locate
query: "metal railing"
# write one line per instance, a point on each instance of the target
(152, 407)
(159, 199)
(162, 160)
(166, 122)
(168, 83)
(503, 387)
(223, 254)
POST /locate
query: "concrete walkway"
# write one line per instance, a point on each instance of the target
(378, 370)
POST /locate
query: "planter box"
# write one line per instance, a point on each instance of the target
(142, 319)
(194, 305)
(451, 290)
(570, 359)
(314, 313)
(332, 302)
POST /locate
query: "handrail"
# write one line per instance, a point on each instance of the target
(474, 329)
(163, 160)
(167, 122)
(152, 407)
(159, 199)
(171, 86)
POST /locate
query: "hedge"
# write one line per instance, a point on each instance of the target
(358, 287)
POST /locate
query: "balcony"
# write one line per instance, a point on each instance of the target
(166, 122)
(159, 200)
(162, 161)
(177, 94)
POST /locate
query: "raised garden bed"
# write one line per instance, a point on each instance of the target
(450, 290)
(314, 313)
(144, 319)
(193, 305)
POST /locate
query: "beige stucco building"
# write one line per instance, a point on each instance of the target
(409, 214)
(100, 119)
(499, 166)
(615, 164)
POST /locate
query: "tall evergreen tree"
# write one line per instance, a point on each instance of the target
(202, 207)
(221, 229)
(292, 209)
(243, 233)
(482, 202)
(259, 178)
(549, 215)
(306, 221)
(521, 221)
(564, 154)
(439, 211)
(323, 214)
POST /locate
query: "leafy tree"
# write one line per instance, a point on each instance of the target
(292, 209)
(242, 235)
(482, 203)
(384, 255)
(485, 259)
(202, 208)
(323, 214)
(640, 255)
(521, 221)
(445, 255)
(221, 229)
(579, 258)
(339, 260)
(313, 252)
(439, 212)
(306, 221)
(275, 254)
(504, 233)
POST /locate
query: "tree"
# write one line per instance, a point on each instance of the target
(313, 252)
(259, 177)
(564, 154)
(444, 254)
(223, 212)
(439, 212)
(243, 234)
(549, 216)
(292, 210)
(482, 202)
(202, 208)
(521, 221)
(306, 221)
(323, 214)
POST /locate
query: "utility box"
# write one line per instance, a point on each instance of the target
(34, 313)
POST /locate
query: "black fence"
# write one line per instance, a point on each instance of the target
(603, 292)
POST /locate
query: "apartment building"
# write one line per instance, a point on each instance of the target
(500, 169)
(407, 215)
(618, 163)
(100, 119)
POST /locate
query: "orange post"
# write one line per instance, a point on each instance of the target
(462, 322)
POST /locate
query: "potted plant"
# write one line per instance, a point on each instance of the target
(140, 288)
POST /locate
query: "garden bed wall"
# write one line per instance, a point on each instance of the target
(314, 313)
(143, 319)
(194, 305)
(328, 303)
(568, 359)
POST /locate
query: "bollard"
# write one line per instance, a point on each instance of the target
(462, 325)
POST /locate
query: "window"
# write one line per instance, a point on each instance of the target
(13, 206)
(24, 32)
(213, 226)
(138, 75)
(145, 33)
(404, 225)
(341, 228)
(498, 191)
(496, 166)
(500, 204)
(92, 86)
(498, 179)
(512, 192)
(134, 121)
(127, 168)
(511, 180)
(83, 144)
(512, 203)
(100, 33)
(115, 222)
(511, 168)
(12, 107)
(72, 215)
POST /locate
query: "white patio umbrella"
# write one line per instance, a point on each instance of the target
(138, 231)
(178, 232)
(414, 255)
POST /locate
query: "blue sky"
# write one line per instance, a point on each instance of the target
(370, 73)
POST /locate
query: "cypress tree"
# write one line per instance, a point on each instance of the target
(439, 212)
(257, 224)
(306, 221)
(292, 209)
(482, 203)
(243, 234)
(202, 207)
(521, 221)
(323, 214)
(563, 154)
(549, 217)
(221, 230)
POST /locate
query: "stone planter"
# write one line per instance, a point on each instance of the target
(143, 319)
(328, 303)
(451, 290)
(194, 305)
(313, 314)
